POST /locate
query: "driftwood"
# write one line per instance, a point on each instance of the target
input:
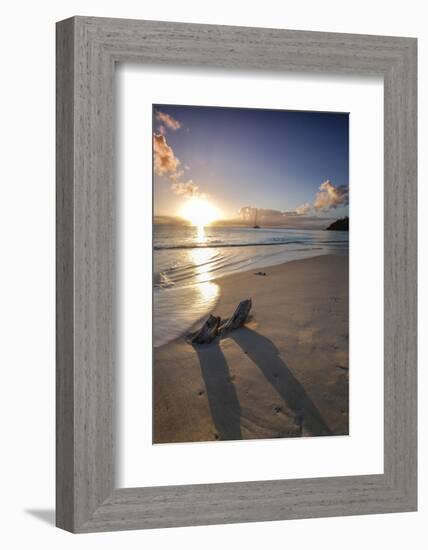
(238, 318)
(207, 332)
(213, 327)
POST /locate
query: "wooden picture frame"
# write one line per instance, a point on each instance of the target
(87, 50)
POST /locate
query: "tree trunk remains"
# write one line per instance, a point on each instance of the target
(238, 318)
(212, 326)
(207, 332)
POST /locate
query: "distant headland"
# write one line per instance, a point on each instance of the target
(339, 225)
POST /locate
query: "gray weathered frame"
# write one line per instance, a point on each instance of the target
(87, 50)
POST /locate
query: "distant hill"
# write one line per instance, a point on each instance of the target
(339, 225)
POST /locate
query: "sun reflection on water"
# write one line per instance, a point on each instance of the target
(200, 234)
(208, 293)
(201, 258)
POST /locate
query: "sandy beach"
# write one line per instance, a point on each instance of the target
(285, 374)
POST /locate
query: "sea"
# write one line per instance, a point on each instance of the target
(188, 260)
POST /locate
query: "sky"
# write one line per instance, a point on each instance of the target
(290, 166)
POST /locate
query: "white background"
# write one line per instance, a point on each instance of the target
(362, 451)
(27, 273)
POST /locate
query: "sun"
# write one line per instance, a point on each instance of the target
(199, 212)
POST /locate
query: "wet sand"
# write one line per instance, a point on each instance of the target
(285, 374)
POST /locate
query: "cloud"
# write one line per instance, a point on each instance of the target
(327, 198)
(164, 159)
(177, 175)
(264, 215)
(303, 209)
(267, 217)
(168, 121)
(330, 196)
(167, 164)
(186, 189)
(305, 216)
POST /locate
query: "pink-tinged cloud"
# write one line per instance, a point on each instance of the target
(303, 209)
(277, 218)
(168, 120)
(177, 175)
(164, 159)
(264, 215)
(330, 196)
(186, 189)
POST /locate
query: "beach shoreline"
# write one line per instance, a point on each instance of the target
(285, 374)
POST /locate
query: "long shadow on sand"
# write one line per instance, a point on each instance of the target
(221, 392)
(266, 356)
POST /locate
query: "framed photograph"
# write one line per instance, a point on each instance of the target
(236, 274)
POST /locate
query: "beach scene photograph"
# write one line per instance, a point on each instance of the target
(250, 274)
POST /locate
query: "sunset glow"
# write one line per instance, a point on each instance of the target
(199, 212)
